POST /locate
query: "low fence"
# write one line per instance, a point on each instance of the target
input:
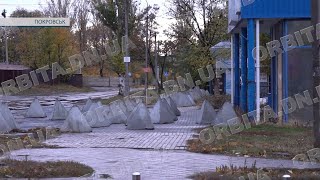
(103, 82)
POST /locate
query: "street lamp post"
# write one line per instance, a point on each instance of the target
(147, 57)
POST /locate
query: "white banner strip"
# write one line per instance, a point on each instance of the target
(35, 22)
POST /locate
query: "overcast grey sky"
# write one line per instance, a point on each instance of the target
(163, 20)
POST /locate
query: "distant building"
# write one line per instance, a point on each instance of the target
(291, 69)
(221, 53)
(11, 71)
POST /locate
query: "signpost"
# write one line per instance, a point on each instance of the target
(30, 22)
(127, 59)
(35, 22)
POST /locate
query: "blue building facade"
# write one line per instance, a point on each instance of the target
(291, 70)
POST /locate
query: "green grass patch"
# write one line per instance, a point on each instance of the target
(268, 141)
(118, 97)
(112, 99)
(32, 169)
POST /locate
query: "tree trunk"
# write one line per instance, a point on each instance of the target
(153, 70)
(101, 65)
(216, 85)
(162, 71)
(315, 4)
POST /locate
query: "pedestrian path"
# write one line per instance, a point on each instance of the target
(153, 164)
(159, 154)
(165, 136)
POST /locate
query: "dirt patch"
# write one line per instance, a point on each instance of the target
(32, 138)
(32, 169)
(267, 141)
(226, 173)
(115, 98)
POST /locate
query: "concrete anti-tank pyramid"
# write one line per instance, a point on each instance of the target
(162, 113)
(76, 122)
(194, 93)
(119, 113)
(226, 113)
(8, 118)
(140, 119)
(110, 115)
(35, 110)
(183, 100)
(198, 91)
(207, 114)
(98, 116)
(173, 106)
(169, 109)
(4, 127)
(59, 112)
(87, 106)
(129, 104)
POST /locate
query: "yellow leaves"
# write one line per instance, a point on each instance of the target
(43, 46)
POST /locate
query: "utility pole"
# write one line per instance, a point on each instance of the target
(156, 60)
(127, 84)
(315, 7)
(147, 61)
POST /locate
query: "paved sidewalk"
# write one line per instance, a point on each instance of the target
(154, 165)
(166, 136)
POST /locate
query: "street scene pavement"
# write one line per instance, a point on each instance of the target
(20, 104)
(160, 90)
(156, 154)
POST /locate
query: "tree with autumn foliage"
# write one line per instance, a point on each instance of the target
(200, 24)
(37, 47)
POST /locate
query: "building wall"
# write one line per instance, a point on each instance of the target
(6, 75)
(299, 76)
(276, 9)
(300, 72)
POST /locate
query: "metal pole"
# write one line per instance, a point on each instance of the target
(251, 67)
(136, 176)
(127, 84)
(258, 69)
(147, 46)
(315, 7)
(244, 71)
(232, 73)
